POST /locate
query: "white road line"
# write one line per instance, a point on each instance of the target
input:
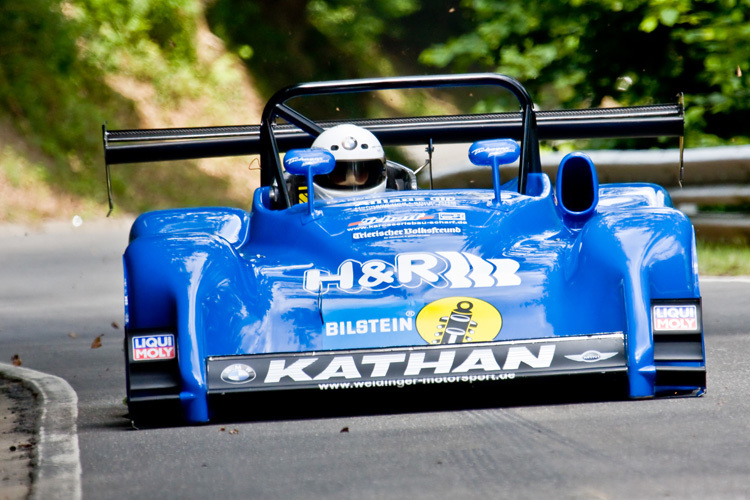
(57, 471)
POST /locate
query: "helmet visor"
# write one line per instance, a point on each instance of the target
(353, 175)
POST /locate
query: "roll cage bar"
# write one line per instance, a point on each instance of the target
(276, 108)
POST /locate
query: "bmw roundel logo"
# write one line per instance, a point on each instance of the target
(237, 374)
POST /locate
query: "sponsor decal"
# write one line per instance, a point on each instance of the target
(675, 318)
(302, 193)
(307, 160)
(407, 231)
(237, 373)
(459, 217)
(375, 325)
(391, 219)
(407, 225)
(438, 269)
(150, 347)
(414, 365)
(591, 356)
(405, 201)
(494, 150)
(456, 320)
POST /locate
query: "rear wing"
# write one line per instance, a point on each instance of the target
(294, 130)
(168, 144)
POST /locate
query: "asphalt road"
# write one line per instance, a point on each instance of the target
(61, 289)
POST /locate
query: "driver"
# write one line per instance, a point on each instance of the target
(360, 163)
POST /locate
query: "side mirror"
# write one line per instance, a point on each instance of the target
(309, 162)
(493, 153)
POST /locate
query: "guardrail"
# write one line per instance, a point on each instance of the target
(712, 177)
(718, 176)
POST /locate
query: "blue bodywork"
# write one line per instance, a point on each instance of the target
(231, 283)
(370, 273)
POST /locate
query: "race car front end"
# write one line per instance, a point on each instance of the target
(409, 295)
(413, 289)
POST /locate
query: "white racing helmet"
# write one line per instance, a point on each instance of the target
(360, 163)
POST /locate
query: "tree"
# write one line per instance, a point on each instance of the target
(591, 52)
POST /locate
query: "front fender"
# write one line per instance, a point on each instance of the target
(650, 252)
(230, 224)
(168, 277)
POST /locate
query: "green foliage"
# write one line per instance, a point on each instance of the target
(356, 28)
(570, 54)
(293, 41)
(274, 39)
(55, 98)
(633, 51)
(317, 40)
(150, 40)
(57, 60)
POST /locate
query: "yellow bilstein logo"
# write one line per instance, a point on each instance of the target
(457, 320)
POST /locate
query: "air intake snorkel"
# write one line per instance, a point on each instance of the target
(577, 189)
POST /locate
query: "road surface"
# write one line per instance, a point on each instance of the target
(61, 297)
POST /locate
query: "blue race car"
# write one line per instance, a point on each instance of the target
(348, 278)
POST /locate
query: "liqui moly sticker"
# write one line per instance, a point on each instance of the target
(675, 318)
(153, 347)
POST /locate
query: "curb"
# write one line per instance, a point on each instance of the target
(57, 465)
(725, 279)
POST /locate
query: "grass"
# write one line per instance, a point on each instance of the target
(723, 258)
